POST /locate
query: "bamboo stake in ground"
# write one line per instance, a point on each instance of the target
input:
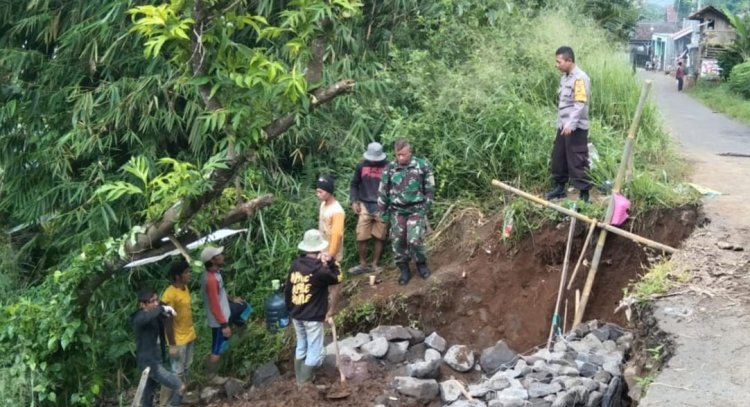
(141, 387)
(627, 154)
(565, 317)
(582, 255)
(563, 277)
(584, 218)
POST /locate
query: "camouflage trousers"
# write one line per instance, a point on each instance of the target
(407, 235)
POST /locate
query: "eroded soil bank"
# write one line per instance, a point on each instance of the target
(483, 290)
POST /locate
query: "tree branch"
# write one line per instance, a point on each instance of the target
(236, 215)
(150, 242)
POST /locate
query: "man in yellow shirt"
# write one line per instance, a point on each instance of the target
(181, 336)
(331, 219)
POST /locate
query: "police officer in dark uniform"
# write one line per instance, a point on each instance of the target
(570, 153)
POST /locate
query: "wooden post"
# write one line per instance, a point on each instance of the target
(141, 387)
(584, 218)
(563, 278)
(627, 154)
(582, 255)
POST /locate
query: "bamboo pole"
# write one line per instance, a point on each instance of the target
(565, 317)
(141, 387)
(582, 255)
(563, 277)
(584, 218)
(627, 154)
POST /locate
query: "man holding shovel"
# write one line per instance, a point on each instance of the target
(306, 294)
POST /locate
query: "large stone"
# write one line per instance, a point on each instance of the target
(344, 351)
(450, 390)
(507, 402)
(460, 358)
(436, 342)
(378, 347)
(498, 383)
(469, 403)
(568, 371)
(355, 342)
(478, 390)
(590, 358)
(391, 332)
(587, 369)
(397, 351)
(560, 346)
(417, 335)
(424, 390)
(496, 357)
(603, 376)
(539, 403)
(537, 389)
(513, 393)
(265, 374)
(613, 367)
(595, 399)
(542, 376)
(209, 394)
(613, 393)
(416, 352)
(428, 368)
(234, 387)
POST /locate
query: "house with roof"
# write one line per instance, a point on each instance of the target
(714, 33)
(642, 45)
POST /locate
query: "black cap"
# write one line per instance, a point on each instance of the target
(326, 183)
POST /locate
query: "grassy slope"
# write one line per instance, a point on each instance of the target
(721, 99)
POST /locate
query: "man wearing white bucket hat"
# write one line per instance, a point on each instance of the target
(363, 195)
(216, 302)
(306, 294)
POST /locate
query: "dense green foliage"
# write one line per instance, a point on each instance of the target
(109, 117)
(739, 80)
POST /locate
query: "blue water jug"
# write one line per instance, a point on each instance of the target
(276, 314)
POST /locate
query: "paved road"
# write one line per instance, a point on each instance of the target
(711, 365)
(703, 135)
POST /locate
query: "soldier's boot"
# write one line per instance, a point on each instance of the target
(423, 270)
(405, 273)
(584, 195)
(557, 192)
(298, 370)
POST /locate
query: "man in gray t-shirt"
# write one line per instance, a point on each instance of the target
(570, 152)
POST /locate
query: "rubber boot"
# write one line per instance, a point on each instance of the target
(584, 195)
(405, 273)
(298, 370)
(423, 270)
(557, 192)
(306, 374)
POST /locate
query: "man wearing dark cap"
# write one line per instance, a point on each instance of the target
(147, 323)
(331, 218)
(363, 195)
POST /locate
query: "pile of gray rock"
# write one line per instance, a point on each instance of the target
(584, 368)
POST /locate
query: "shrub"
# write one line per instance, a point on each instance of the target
(739, 79)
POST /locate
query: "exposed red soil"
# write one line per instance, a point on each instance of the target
(483, 290)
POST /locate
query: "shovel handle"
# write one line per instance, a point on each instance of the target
(336, 346)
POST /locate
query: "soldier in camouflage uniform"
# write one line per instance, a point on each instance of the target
(407, 189)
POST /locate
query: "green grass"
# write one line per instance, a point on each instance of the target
(720, 98)
(659, 279)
